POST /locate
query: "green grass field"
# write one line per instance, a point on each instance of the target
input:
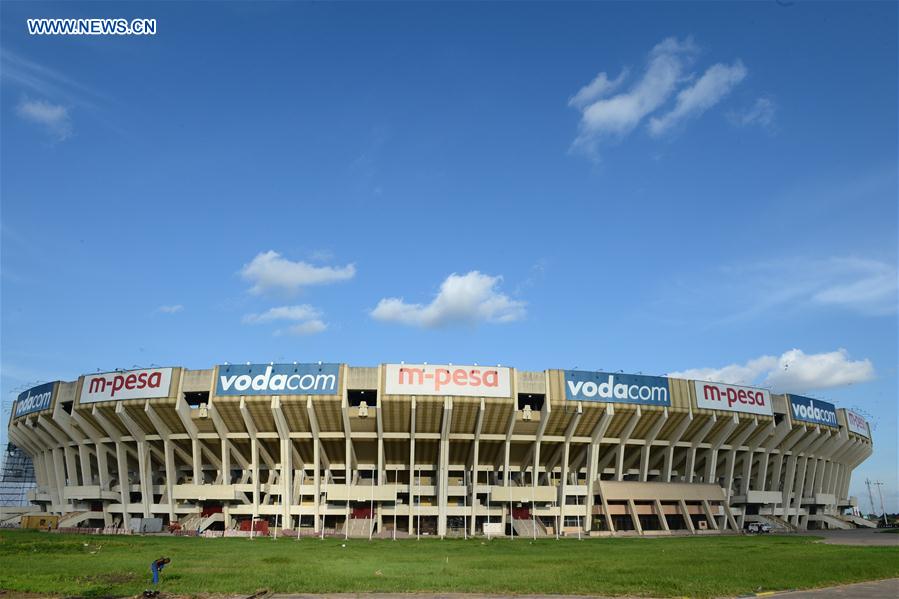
(101, 566)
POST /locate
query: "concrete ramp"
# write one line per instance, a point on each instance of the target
(832, 522)
(73, 519)
(860, 522)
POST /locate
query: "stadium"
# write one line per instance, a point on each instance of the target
(401, 450)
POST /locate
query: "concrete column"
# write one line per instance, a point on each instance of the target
(622, 443)
(672, 445)
(124, 482)
(473, 490)
(84, 458)
(413, 490)
(593, 464)
(650, 439)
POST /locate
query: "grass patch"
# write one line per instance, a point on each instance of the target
(102, 566)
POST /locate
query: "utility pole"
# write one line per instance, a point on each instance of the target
(870, 495)
(882, 509)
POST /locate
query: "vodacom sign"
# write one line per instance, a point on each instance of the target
(130, 384)
(441, 379)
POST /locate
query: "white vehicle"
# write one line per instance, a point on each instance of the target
(758, 528)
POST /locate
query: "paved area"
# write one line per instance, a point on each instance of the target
(881, 589)
(858, 536)
(440, 596)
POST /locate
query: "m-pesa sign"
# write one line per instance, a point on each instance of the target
(131, 384)
(857, 424)
(733, 398)
(440, 379)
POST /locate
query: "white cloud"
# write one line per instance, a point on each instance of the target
(462, 299)
(44, 81)
(692, 101)
(310, 327)
(54, 118)
(298, 312)
(783, 288)
(308, 318)
(600, 87)
(793, 372)
(797, 371)
(761, 113)
(865, 285)
(269, 271)
(619, 114)
(735, 374)
(172, 309)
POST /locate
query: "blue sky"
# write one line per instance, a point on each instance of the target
(673, 188)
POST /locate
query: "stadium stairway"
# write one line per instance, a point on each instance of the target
(210, 520)
(525, 527)
(73, 519)
(190, 522)
(833, 522)
(775, 522)
(12, 521)
(858, 521)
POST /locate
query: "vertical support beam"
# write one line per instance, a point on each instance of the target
(168, 448)
(708, 514)
(256, 451)
(672, 445)
(622, 442)
(647, 448)
(121, 464)
(661, 514)
(566, 456)
(635, 518)
(286, 475)
(694, 446)
(473, 491)
(443, 467)
(183, 411)
(124, 483)
(686, 515)
(413, 483)
(711, 463)
(592, 465)
(143, 458)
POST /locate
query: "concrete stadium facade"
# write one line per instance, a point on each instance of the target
(441, 450)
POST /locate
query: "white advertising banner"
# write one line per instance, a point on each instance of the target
(733, 398)
(131, 384)
(440, 379)
(857, 424)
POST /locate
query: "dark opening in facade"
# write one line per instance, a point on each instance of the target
(195, 398)
(534, 400)
(357, 396)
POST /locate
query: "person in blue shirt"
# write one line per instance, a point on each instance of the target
(157, 566)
